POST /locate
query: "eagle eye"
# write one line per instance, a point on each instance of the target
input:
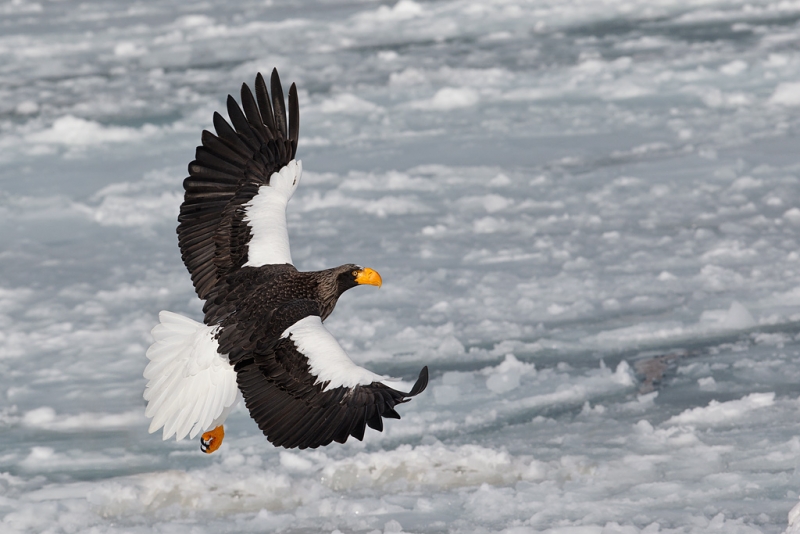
(355, 273)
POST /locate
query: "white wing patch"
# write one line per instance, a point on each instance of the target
(326, 358)
(266, 216)
(191, 387)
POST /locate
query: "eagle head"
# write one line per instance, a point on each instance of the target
(352, 275)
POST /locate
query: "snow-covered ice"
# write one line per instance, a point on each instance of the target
(586, 216)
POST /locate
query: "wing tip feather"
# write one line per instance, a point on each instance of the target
(420, 384)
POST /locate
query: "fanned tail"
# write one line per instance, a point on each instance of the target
(191, 388)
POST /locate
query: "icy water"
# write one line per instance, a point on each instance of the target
(585, 214)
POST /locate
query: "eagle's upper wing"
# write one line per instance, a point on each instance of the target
(304, 391)
(234, 209)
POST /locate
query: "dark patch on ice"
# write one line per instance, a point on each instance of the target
(652, 370)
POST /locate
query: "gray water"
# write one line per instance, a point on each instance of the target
(585, 215)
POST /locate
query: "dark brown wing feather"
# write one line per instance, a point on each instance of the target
(226, 173)
(292, 411)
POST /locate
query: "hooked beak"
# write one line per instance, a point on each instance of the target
(369, 276)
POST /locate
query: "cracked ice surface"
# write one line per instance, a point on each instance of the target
(585, 214)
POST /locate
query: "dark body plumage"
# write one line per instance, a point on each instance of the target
(253, 305)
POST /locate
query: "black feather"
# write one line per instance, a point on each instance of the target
(278, 105)
(264, 105)
(294, 118)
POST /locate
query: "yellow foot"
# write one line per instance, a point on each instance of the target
(211, 440)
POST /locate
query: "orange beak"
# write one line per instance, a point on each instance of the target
(369, 276)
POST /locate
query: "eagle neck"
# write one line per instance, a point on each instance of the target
(328, 293)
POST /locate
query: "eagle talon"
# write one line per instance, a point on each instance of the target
(211, 440)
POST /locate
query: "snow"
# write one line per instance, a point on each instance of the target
(585, 215)
(74, 131)
(718, 413)
(786, 94)
(449, 98)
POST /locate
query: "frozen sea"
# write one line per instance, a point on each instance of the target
(586, 214)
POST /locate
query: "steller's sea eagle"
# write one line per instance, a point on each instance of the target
(263, 337)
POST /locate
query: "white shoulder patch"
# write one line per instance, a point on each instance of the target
(326, 358)
(191, 387)
(266, 216)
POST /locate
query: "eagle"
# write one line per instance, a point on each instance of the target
(262, 336)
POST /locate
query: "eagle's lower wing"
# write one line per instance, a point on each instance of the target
(234, 209)
(304, 391)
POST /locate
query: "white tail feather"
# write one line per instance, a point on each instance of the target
(191, 388)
